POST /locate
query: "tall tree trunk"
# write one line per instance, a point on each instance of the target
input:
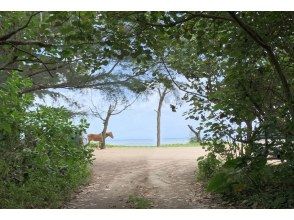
(105, 125)
(161, 98)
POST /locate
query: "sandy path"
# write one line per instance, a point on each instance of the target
(166, 176)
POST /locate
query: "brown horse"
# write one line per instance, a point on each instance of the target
(98, 137)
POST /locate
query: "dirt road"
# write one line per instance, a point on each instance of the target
(165, 176)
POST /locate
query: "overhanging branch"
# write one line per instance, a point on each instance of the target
(7, 36)
(272, 58)
(30, 54)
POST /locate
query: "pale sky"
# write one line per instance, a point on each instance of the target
(139, 120)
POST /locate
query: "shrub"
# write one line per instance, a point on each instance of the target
(41, 162)
(207, 166)
(257, 186)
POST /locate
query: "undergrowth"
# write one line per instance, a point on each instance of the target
(249, 184)
(139, 202)
(42, 160)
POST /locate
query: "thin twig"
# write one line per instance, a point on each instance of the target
(177, 85)
(34, 57)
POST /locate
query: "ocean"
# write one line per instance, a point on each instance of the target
(146, 142)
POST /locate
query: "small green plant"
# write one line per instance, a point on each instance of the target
(139, 202)
(207, 166)
(93, 145)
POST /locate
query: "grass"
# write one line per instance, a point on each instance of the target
(193, 144)
(189, 144)
(139, 202)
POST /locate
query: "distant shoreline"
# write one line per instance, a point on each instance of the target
(190, 144)
(147, 141)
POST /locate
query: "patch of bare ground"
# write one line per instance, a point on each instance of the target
(165, 176)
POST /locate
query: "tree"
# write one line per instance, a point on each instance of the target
(237, 81)
(239, 72)
(196, 133)
(238, 68)
(69, 50)
(164, 86)
(161, 93)
(117, 105)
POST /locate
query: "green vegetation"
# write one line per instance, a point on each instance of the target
(139, 202)
(93, 145)
(207, 166)
(190, 144)
(66, 50)
(257, 185)
(41, 159)
(238, 71)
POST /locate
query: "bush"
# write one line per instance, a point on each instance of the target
(207, 166)
(41, 162)
(252, 184)
(94, 145)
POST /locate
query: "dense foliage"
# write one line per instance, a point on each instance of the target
(67, 50)
(242, 95)
(238, 68)
(41, 158)
(238, 78)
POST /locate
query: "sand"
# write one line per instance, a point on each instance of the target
(165, 176)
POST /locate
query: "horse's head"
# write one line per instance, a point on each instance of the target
(109, 134)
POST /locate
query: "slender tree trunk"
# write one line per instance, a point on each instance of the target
(266, 149)
(161, 98)
(158, 125)
(105, 125)
(248, 138)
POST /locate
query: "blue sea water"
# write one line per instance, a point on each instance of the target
(146, 142)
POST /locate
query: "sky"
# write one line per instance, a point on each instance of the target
(136, 122)
(139, 122)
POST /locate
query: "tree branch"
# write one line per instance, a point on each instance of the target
(272, 58)
(73, 85)
(7, 36)
(177, 85)
(126, 106)
(42, 71)
(34, 57)
(19, 42)
(191, 17)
